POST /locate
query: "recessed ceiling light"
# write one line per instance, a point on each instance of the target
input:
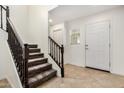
(50, 20)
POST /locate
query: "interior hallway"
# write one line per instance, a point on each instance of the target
(77, 77)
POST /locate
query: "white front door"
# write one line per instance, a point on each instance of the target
(97, 45)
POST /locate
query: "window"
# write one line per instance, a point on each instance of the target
(75, 37)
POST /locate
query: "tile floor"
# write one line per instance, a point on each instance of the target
(78, 77)
(4, 84)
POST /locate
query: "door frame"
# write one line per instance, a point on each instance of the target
(110, 44)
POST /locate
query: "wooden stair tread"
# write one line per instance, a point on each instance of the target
(37, 60)
(32, 45)
(41, 77)
(36, 55)
(38, 67)
(34, 50)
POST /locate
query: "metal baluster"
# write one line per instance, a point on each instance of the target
(26, 65)
(52, 50)
(62, 61)
(1, 18)
(57, 54)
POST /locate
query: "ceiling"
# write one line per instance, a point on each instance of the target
(68, 12)
(51, 7)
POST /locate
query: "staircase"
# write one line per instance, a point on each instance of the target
(32, 67)
(39, 70)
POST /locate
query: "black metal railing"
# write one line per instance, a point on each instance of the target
(19, 51)
(56, 51)
(3, 17)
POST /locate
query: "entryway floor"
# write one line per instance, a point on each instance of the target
(79, 77)
(4, 84)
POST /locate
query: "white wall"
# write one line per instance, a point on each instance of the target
(3, 38)
(19, 18)
(38, 30)
(63, 29)
(75, 54)
(38, 26)
(31, 24)
(7, 66)
(10, 69)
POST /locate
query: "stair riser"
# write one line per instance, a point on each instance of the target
(32, 46)
(34, 50)
(36, 56)
(37, 62)
(35, 72)
(39, 82)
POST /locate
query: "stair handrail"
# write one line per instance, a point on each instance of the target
(17, 49)
(15, 31)
(56, 51)
(3, 9)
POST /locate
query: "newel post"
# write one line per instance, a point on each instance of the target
(62, 61)
(7, 16)
(7, 9)
(26, 65)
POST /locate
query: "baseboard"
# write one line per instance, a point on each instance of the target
(116, 73)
